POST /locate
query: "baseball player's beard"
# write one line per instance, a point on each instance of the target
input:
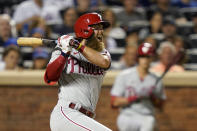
(96, 43)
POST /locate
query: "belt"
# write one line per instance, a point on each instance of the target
(82, 110)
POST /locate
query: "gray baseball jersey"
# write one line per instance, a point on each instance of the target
(128, 83)
(80, 81)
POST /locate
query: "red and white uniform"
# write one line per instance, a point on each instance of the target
(139, 115)
(80, 83)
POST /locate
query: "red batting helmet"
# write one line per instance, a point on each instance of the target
(145, 49)
(83, 24)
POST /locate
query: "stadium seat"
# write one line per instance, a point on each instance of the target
(193, 39)
(116, 53)
(192, 55)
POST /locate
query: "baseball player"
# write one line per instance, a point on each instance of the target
(79, 65)
(136, 93)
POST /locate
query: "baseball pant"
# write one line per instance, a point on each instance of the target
(135, 122)
(64, 118)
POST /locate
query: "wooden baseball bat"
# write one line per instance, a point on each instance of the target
(31, 41)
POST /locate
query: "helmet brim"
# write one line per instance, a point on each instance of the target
(105, 24)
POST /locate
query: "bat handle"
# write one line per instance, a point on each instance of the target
(48, 42)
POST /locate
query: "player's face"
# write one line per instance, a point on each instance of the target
(98, 31)
(144, 62)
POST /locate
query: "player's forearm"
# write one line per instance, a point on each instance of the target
(96, 58)
(119, 101)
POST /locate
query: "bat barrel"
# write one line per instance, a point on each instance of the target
(31, 41)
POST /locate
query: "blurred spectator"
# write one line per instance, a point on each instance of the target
(95, 4)
(69, 16)
(6, 38)
(112, 32)
(131, 13)
(132, 36)
(37, 32)
(60, 4)
(28, 15)
(113, 2)
(155, 26)
(170, 33)
(83, 6)
(170, 30)
(128, 59)
(185, 3)
(167, 11)
(40, 58)
(145, 3)
(194, 20)
(91, 4)
(179, 44)
(11, 56)
(166, 53)
(52, 8)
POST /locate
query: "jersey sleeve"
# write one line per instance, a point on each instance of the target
(55, 54)
(118, 87)
(106, 52)
(159, 91)
(55, 67)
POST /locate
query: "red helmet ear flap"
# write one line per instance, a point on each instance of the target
(82, 29)
(87, 33)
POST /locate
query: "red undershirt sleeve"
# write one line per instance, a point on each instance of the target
(54, 70)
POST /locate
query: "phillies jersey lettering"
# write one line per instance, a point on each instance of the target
(83, 67)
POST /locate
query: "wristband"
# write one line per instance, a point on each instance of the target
(81, 48)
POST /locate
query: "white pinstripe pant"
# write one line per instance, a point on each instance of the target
(136, 122)
(67, 119)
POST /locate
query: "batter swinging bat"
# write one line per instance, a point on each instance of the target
(31, 41)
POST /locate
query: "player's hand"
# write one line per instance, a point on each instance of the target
(63, 43)
(132, 98)
(144, 92)
(77, 45)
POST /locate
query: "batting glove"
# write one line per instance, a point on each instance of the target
(63, 43)
(77, 45)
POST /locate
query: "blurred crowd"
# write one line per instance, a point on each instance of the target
(169, 25)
